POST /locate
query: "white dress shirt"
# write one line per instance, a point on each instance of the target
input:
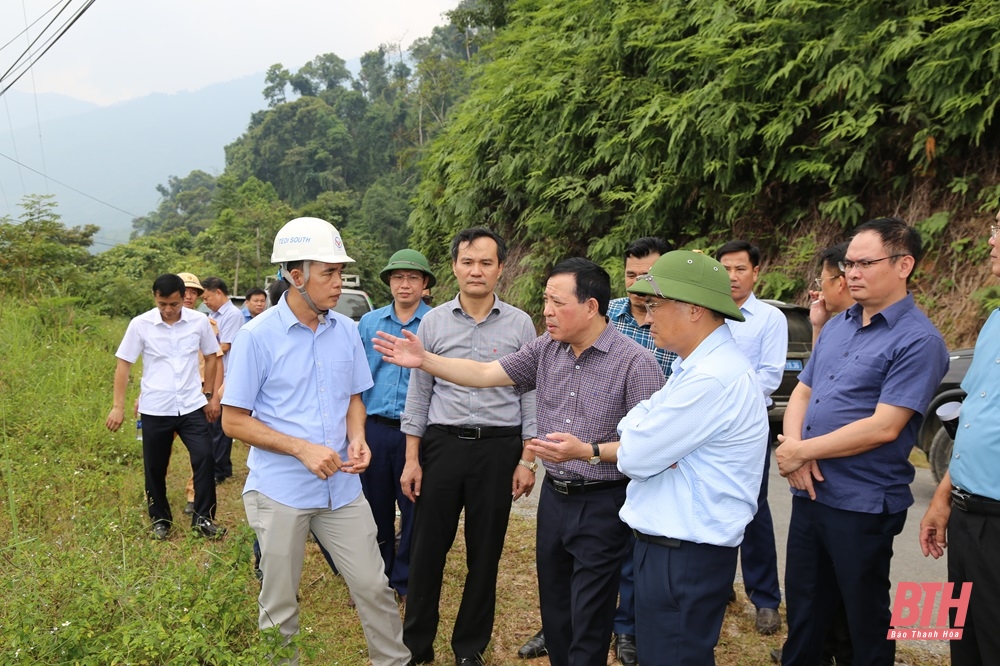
(763, 339)
(171, 383)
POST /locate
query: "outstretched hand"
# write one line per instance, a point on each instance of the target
(406, 351)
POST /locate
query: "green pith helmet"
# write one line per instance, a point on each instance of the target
(408, 260)
(691, 277)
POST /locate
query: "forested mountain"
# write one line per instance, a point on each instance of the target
(574, 126)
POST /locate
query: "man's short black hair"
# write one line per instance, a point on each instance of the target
(897, 238)
(215, 284)
(469, 235)
(592, 281)
(254, 291)
(644, 247)
(831, 257)
(277, 288)
(168, 284)
(734, 246)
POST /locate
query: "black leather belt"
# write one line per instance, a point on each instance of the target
(574, 487)
(392, 423)
(974, 503)
(666, 542)
(479, 432)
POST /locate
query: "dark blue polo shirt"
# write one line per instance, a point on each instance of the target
(898, 359)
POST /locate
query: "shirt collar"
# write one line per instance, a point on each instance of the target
(625, 312)
(390, 313)
(890, 314)
(288, 318)
(704, 348)
(187, 314)
(751, 305)
(456, 306)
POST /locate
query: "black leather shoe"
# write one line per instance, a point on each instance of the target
(625, 649)
(768, 621)
(161, 530)
(189, 508)
(206, 528)
(469, 661)
(776, 655)
(534, 648)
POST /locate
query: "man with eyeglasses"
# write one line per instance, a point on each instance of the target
(762, 335)
(850, 425)
(695, 455)
(965, 509)
(627, 314)
(831, 296)
(407, 274)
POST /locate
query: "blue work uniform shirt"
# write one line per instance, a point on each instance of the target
(387, 397)
(975, 462)
(898, 359)
(299, 383)
(620, 314)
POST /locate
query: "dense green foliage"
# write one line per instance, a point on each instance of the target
(598, 121)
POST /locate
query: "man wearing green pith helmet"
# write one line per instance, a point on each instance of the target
(696, 447)
(407, 275)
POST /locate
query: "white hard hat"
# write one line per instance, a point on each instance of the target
(309, 239)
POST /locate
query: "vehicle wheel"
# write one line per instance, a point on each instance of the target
(940, 453)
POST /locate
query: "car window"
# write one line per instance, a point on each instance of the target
(353, 305)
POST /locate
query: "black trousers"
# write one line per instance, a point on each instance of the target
(457, 473)
(580, 543)
(831, 550)
(157, 443)
(973, 556)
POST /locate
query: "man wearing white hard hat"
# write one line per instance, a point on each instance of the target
(293, 393)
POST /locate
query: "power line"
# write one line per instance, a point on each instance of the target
(14, 38)
(70, 187)
(34, 57)
(34, 96)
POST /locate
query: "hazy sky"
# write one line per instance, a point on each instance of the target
(120, 49)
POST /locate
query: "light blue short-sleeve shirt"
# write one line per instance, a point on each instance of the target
(298, 382)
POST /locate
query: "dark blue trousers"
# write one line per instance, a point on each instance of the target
(758, 555)
(680, 601)
(380, 483)
(580, 542)
(222, 449)
(829, 550)
(973, 546)
(625, 613)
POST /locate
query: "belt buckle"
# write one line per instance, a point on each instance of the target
(468, 432)
(560, 487)
(959, 499)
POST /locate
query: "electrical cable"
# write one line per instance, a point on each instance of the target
(70, 187)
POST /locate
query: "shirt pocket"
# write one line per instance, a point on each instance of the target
(862, 375)
(338, 378)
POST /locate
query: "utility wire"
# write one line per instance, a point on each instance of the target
(34, 96)
(70, 187)
(13, 141)
(14, 38)
(49, 44)
(17, 61)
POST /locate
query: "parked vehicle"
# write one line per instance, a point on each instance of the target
(353, 302)
(933, 439)
(799, 350)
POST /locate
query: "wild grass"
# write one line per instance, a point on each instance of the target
(85, 584)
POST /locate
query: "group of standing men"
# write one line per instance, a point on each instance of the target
(465, 397)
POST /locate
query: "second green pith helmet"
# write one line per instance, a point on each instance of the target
(408, 260)
(691, 277)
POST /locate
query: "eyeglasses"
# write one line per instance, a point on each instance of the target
(819, 280)
(864, 264)
(406, 277)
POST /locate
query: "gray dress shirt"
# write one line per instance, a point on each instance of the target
(448, 331)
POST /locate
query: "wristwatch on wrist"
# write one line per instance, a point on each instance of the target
(209, 395)
(596, 458)
(531, 465)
